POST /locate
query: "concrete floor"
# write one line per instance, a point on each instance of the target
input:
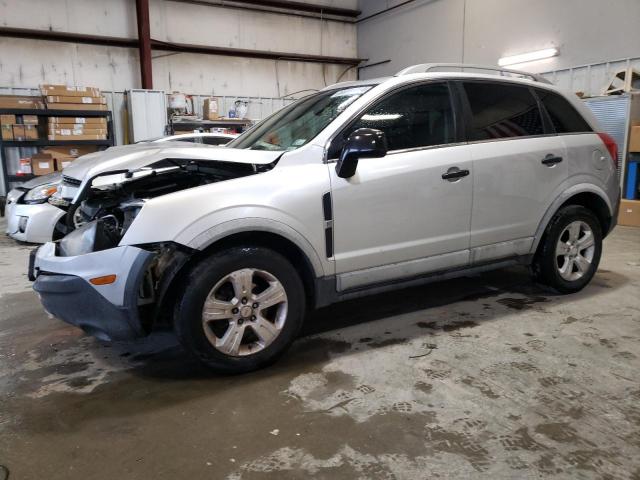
(485, 377)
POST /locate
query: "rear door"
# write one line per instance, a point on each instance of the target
(519, 167)
(398, 217)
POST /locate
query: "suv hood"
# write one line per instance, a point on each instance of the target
(133, 157)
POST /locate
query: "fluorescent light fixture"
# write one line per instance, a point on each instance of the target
(528, 57)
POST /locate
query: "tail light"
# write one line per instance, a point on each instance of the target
(612, 147)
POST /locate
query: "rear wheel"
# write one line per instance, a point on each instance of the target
(240, 309)
(570, 251)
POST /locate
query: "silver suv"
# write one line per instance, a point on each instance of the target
(360, 188)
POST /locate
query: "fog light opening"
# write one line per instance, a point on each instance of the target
(22, 224)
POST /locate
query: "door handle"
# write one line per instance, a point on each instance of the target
(551, 159)
(454, 173)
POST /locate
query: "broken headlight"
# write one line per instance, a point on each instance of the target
(94, 236)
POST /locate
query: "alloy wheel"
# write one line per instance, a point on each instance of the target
(575, 250)
(244, 312)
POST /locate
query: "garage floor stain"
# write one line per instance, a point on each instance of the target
(483, 377)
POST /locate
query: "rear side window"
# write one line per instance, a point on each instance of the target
(502, 111)
(419, 116)
(564, 117)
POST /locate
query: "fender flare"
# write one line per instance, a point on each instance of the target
(562, 198)
(256, 224)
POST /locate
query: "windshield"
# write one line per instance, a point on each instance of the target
(298, 123)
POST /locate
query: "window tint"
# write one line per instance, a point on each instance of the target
(563, 115)
(414, 117)
(502, 111)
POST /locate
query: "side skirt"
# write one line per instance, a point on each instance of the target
(326, 287)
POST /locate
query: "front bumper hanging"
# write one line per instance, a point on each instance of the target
(109, 311)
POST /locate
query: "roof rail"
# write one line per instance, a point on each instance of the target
(426, 67)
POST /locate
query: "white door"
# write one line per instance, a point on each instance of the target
(518, 169)
(398, 217)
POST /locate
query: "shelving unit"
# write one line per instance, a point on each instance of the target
(196, 124)
(8, 178)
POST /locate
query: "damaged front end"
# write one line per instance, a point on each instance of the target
(125, 289)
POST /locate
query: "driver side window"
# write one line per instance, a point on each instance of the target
(419, 116)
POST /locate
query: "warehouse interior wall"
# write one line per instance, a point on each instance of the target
(29, 63)
(482, 31)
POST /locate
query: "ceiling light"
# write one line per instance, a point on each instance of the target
(528, 57)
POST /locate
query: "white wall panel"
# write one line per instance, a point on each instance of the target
(96, 17)
(198, 24)
(28, 63)
(482, 31)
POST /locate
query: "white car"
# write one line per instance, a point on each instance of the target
(30, 216)
(36, 215)
(360, 188)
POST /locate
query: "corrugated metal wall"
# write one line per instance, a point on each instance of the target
(591, 79)
(612, 112)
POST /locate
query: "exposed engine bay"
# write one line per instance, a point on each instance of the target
(115, 198)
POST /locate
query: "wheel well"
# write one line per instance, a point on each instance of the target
(596, 204)
(273, 241)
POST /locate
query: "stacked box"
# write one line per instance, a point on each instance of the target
(63, 156)
(16, 101)
(62, 97)
(6, 126)
(77, 128)
(21, 128)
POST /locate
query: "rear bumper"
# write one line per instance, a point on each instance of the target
(109, 312)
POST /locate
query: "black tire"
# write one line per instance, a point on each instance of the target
(199, 283)
(545, 264)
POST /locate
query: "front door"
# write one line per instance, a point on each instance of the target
(397, 217)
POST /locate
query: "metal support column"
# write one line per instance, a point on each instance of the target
(144, 43)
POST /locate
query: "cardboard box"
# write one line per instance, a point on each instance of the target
(77, 106)
(31, 132)
(77, 131)
(629, 213)
(77, 137)
(15, 101)
(67, 91)
(63, 99)
(7, 119)
(18, 132)
(63, 162)
(74, 152)
(42, 163)
(634, 139)
(210, 109)
(76, 126)
(101, 121)
(30, 119)
(7, 132)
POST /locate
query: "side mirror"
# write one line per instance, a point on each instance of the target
(363, 143)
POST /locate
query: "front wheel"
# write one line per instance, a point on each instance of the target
(240, 309)
(570, 251)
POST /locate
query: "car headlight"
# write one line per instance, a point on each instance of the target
(41, 193)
